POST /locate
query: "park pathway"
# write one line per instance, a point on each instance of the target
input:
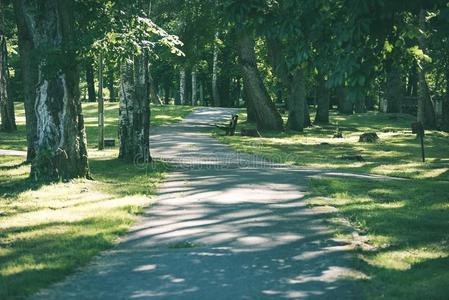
(224, 226)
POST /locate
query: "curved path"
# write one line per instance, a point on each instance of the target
(225, 226)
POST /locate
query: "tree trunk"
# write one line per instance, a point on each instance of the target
(61, 151)
(323, 99)
(154, 97)
(412, 84)
(201, 94)
(29, 78)
(267, 116)
(426, 111)
(8, 121)
(90, 82)
(250, 110)
(345, 106)
(360, 106)
(194, 88)
(279, 66)
(100, 103)
(110, 84)
(182, 86)
(134, 111)
(215, 93)
(445, 116)
(297, 102)
(394, 88)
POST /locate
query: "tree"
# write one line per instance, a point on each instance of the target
(61, 142)
(8, 122)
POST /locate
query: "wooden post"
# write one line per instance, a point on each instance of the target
(100, 103)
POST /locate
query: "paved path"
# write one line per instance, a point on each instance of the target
(225, 226)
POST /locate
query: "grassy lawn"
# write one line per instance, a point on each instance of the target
(49, 231)
(159, 115)
(405, 222)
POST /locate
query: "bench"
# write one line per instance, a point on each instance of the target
(230, 129)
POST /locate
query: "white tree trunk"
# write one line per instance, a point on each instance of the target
(215, 93)
(194, 88)
(182, 86)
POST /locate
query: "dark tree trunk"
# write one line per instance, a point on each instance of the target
(61, 151)
(134, 111)
(29, 79)
(345, 105)
(250, 111)
(279, 66)
(267, 116)
(360, 106)
(154, 97)
(215, 92)
(91, 95)
(8, 120)
(297, 104)
(323, 99)
(412, 84)
(393, 88)
(445, 120)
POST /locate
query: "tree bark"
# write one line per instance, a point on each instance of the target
(61, 151)
(394, 88)
(110, 84)
(250, 111)
(267, 116)
(154, 97)
(360, 106)
(134, 111)
(445, 119)
(194, 88)
(182, 86)
(215, 93)
(100, 103)
(8, 121)
(323, 101)
(29, 78)
(345, 106)
(90, 82)
(297, 103)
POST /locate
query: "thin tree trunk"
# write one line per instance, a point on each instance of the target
(154, 97)
(201, 94)
(297, 102)
(29, 79)
(323, 101)
(426, 111)
(8, 121)
(215, 93)
(182, 86)
(360, 106)
(194, 88)
(90, 82)
(100, 103)
(267, 116)
(61, 151)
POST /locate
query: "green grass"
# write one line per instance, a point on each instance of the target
(160, 115)
(49, 231)
(405, 222)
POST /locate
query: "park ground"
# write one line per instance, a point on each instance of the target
(49, 231)
(404, 221)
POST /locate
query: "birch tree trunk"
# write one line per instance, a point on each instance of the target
(61, 152)
(194, 88)
(8, 121)
(215, 92)
(267, 116)
(182, 86)
(134, 126)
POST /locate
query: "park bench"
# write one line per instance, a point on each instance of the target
(230, 128)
